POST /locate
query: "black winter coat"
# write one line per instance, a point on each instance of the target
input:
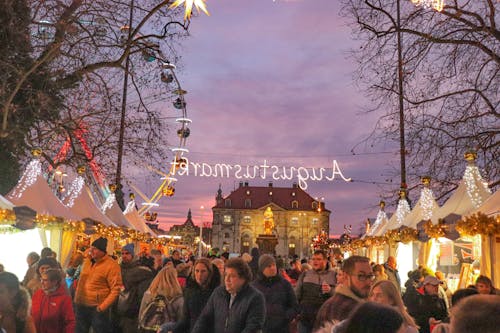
(247, 313)
(281, 303)
(195, 299)
(422, 307)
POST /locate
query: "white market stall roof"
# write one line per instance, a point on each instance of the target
(470, 194)
(490, 207)
(423, 210)
(5, 204)
(81, 202)
(113, 211)
(380, 223)
(132, 215)
(33, 191)
(397, 218)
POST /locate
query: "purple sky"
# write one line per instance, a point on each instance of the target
(272, 80)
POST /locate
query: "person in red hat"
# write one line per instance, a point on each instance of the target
(98, 288)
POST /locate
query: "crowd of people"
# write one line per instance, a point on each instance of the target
(151, 292)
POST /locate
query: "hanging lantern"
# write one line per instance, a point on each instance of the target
(179, 103)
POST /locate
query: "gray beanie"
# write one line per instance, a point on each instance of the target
(265, 260)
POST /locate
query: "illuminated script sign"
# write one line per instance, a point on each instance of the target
(222, 170)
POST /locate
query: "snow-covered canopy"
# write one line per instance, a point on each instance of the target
(33, 191)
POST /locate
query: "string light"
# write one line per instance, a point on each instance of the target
(74, 190)
(472, 177)
(381, 217)
(402, 210)
(110, 200)
(33, 170)
(130, 207)
(427, 203)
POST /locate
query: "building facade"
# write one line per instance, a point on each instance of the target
(239, 218)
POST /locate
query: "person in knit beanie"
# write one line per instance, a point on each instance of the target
(130, 248)
(265, 260)
(101, 244)
(281, 302)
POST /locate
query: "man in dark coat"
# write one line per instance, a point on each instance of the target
(136, 279)
(281, 302)
(427, 304)
(313, 288)
(204, 278)
(357, 280)
(236, 307)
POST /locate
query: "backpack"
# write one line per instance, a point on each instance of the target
(155, 314)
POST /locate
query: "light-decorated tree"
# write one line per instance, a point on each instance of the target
(451, 70)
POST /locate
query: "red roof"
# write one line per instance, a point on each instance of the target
(261, 196)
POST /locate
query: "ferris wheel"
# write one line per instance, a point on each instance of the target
(168, 179)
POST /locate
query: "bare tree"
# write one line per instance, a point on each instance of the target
(63, 88)
(451, 65)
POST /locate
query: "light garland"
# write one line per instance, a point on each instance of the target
(435, 231)
(402, 210)
(427, 203)
(479, 224)
(130, 207)
(381, 216)
(33, 170)
(7, 217)
(110, 200)
(472, 176)
(74, 190)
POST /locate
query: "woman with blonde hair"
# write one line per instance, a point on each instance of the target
(385, 292)
(164, 288)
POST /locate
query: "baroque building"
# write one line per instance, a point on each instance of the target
(239, 218)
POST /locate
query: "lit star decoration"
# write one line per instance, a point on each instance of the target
(472, 177)
(110, 200)
(199, 4)
(33, 170)
(74, 190)
(426, 203)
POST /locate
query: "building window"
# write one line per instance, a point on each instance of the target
(315, 221)
(226, 235)
(227, 219)
(295, 204)
(247, 220)
(227, 203)
(248, 203)
(295, 221)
